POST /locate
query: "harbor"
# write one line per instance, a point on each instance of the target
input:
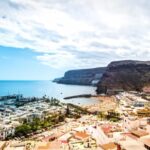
(16, 100)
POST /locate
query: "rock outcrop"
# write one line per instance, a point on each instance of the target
(125, 75)
(82, 76)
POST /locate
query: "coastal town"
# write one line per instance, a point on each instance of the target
(75, 75)
(118, 122)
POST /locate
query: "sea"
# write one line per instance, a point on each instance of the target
(48, 88)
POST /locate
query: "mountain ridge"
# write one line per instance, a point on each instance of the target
(128, 75)
(82, 76)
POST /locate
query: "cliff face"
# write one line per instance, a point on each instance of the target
(126, 75)
(82, 76)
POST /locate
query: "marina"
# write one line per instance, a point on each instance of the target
(12, 101)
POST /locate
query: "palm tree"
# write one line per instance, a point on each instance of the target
(101, 115)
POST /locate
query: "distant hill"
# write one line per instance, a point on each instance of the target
(82, 76)
(127, 75)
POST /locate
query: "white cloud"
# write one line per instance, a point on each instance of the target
(63, 30)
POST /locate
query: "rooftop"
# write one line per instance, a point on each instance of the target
(109, 146)
(81, 135)
(139, 133)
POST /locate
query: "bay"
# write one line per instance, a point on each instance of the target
(49, 88)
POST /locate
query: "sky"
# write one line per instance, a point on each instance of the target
(41, 39)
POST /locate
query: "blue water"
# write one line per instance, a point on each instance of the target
(41, 88)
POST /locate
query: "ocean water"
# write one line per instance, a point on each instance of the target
(41, 88)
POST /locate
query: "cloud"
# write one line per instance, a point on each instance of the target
(75, 34)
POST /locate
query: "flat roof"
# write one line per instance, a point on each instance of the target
(82, 135)
(139, 133)
(49, 145)
(147, 142)
(131, 144)
(109, 146)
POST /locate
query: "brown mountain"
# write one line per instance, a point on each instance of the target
(126, 75)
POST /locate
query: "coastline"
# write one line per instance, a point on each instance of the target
(48, 88)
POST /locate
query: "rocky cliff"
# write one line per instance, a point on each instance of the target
(82, 76)
(126, 75)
